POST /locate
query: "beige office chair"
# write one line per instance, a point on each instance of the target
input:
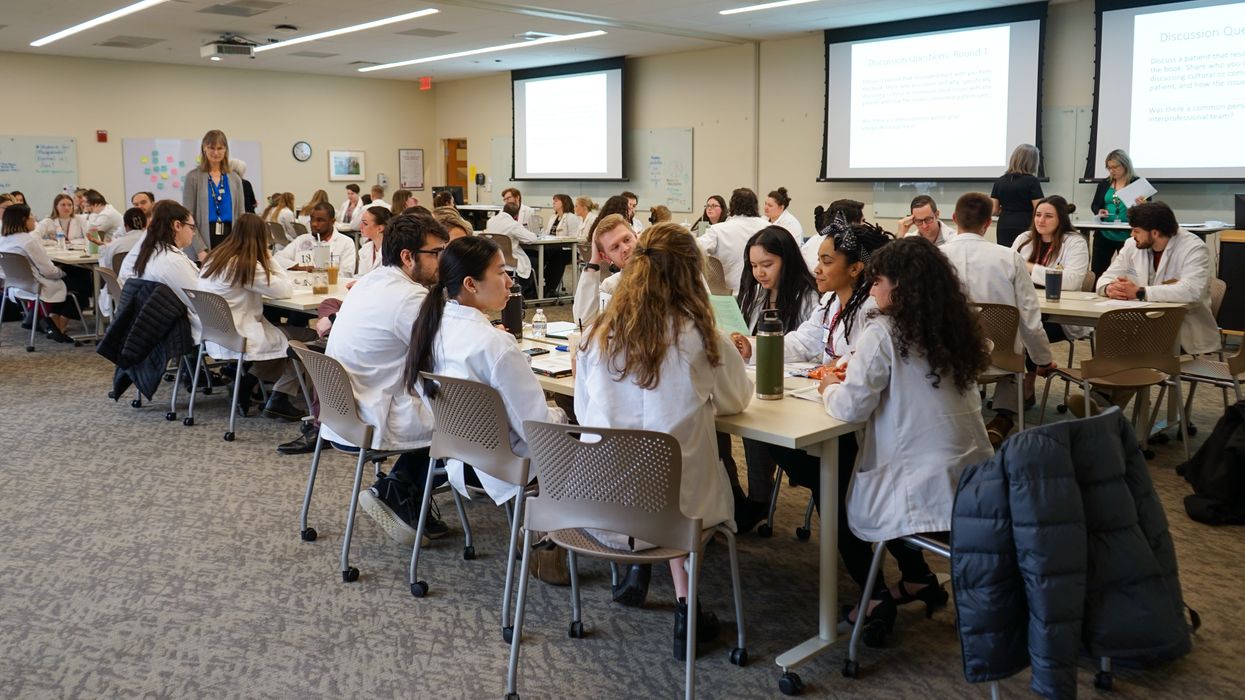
(580, 487)
(276, 235)
(115, 263)
(1000, 324)
(715, 275)
(507, 250)
(300, 229)
(1225, 372)
(216, 321)
(21, 285)
(1087, 285)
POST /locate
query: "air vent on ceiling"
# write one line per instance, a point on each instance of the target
(426, 33)
(363, 63)
(313, 54)
(242, 8)
(129, 42)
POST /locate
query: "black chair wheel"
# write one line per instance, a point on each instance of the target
(168, 376)
(30, 348)
(171, 415)
(1148, 454)
(77, 343)
(112, 395)
(136, 403)
(803, 533)
(1102, 680)
(350, 575)
(469, 552)
(1061, 409)
(765, 530)
(512, 696)
(576, 631)
(188, 421)
(1192, 430)
(308, 535)
(850, 668)
(739, 656)
(419, 589)
(791, 684)
(229, 436)
(207, 390)
(507, 633)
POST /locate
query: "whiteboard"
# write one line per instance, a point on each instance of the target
(659, 165)
(41, 167)
(160, 165)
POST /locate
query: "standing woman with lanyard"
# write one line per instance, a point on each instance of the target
(1108, 207)
(212, 193)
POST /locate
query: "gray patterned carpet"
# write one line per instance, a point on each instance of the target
(142, 558)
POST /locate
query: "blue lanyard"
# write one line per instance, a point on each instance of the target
(217, 192)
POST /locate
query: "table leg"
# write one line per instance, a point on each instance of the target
(828, 579)
(96, 281)
(574, 270)
(540, 273)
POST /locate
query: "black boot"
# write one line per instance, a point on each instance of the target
(280, 407)
(879, 623)
(633, 589)
(707, 629)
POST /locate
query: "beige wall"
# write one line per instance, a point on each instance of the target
(141, 100)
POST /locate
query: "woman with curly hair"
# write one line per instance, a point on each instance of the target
(912, 381)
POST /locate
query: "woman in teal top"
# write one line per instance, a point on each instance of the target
(1108, 207)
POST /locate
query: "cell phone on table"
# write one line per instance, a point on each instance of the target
(533, 352)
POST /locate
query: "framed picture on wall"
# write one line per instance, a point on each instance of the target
(411, 168)
(345, 166)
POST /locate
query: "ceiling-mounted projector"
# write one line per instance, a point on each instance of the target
(227, 46)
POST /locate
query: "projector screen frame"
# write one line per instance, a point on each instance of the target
(1091, 158)
(936, 23)
(600, 64)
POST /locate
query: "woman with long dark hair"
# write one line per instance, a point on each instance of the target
(713, 213)
(15, 237)
(161, 257)
(776, 278)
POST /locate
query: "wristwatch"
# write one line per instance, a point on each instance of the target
(593, 266)
(1141, 294)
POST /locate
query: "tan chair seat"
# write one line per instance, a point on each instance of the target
(1200, 368)
(1137, 378)
(580, 541)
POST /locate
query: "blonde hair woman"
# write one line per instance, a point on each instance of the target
(213, 193)
(454, 223)
(586, 210)
(281, 211)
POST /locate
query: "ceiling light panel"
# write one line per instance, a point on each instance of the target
(348, 30)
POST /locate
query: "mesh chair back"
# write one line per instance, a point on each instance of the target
(1000, 323)
(216, 319)
(116, 262)
(1087, 284)
(1218, 289)
(276, 233)
(470, 424)
(338, 408)
(585, 252)
(624, 481)
(715, 275)
(18, 273)
(1128, 339)
(503, 242)
(536, 223)
(300, 228)
(111, 284)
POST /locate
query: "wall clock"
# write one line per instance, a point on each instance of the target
(302, 151)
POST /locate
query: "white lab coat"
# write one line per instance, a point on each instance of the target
(170, 267)
(808, 342)
(47, 228)
(586, 225)
(753, 316)
(1182, 277)
(568, 225)
(810, 249)
(349, 223)
(726, 241)
(264, 341)
(788, 221)
(370, 338)
(468, 346)
(945, 233)
(993, 274)
(286, 218)
(1073, 258)
(590, 292)
(107, 222)
(504, 223)
(369, 258)
(917, 438)
(340, 245)
(53, 290)
(525, 215)
(690, 393)
(119, 245)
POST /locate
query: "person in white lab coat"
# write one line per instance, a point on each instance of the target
(993, 274)
(506, 222)
(161, 258)
(511, 195)
(562, 223)
(586, 211)
(853, 212)
(63, 220)
(15, 238)
(454, 337)
(143, 201)
(372, 228)
(103, 221)
(725, 241)
(923, 214)
(135, 229)
(281, 211)
(351, 210)
(1052, 243)
(612, 244)
(672, 371)
(371, 339)
(298, 255)
(913, 382)
(378, 197)
(241, 270)
(776, 204)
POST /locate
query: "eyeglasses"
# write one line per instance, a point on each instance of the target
(714, 205)
(927, 220)
(191, 226)
(435, 251)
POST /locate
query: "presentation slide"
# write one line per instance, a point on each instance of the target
(568, 122)
(1172, 90)
(939, 105)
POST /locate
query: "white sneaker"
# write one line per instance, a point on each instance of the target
(397, 529)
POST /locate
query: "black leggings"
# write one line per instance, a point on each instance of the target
(1104, 249)
(805, 470)
(1055, 334)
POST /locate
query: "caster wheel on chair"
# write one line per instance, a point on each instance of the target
(507, 633)
(739, 656)
(850, 669)
(30, 348)
(765, 530)
(188, 421)
(171, 415)
(576, 631)
(512, 696)
(1102, 680)
(419, 589)
(308, 535)
(350, 575)
(469, 552)
(803, 533)
(229, 436)
(1192, 430)
(1061, 409)
(790, 684)
(136, 403)
(1148, 454)
(207, 391)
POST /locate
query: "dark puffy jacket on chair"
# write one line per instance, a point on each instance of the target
(1059, 544)
(151, 326)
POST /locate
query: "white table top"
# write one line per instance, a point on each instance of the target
(72, 256)
(1090, 306)
(305, 300)
(1096, 225)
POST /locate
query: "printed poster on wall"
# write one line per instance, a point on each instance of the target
(411, 168)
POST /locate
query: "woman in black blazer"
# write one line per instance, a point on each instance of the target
(1108, 207)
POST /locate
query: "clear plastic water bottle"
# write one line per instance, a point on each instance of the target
(60, 239)
(539, 323)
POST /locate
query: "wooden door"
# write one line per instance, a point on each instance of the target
(456, 164)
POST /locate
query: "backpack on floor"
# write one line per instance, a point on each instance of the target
(1217, 473)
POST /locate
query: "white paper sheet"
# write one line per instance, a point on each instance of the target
(1140, 187)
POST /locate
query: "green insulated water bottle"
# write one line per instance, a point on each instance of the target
(769, 356)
